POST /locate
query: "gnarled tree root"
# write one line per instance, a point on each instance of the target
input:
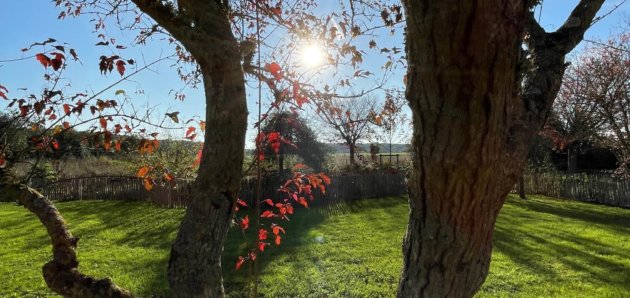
(61, 273)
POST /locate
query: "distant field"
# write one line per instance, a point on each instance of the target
(542, 248)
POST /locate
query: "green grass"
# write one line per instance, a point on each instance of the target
(542, 248)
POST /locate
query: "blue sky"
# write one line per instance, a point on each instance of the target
(28, 21)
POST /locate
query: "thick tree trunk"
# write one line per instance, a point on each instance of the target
(461, 86)
(472, 128)
(203, 27)
(195, 263)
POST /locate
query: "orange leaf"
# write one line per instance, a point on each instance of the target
(117, 146)
(278, 238)
(190, 131)
(277, 229)
(202, 125)
(168, 177)
(275, 69)
(66, 125)
(142, 172)
(148, 183)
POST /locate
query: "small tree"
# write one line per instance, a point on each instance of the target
(348, 120)
(392, 120)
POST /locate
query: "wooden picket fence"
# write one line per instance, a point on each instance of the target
(177, 195)
(592, 188)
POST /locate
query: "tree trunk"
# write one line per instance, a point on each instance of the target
(473, 122)
(203, 27)
(353, 162)
(195, 263)
(521, 187)
(572, 156)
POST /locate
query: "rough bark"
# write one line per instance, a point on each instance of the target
(203, 28)
(61, 273)
(473, 123)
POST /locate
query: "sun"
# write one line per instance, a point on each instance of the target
(312, 55)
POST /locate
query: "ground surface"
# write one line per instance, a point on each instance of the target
(543, 248)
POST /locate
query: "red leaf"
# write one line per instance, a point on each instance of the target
(103, 122)
(3, 95)
(43, 59)
(278, 238)
(245, 222)
(55, 144)
(261, 155)
(198, 159)
(277, 229)
(117, 146)
(120, 66)
(275, 69)
(66, 108)
(4, 88)
(3, 164)
(276, 10)
(269, 201)
(56, 63)
(276, 147)
(303, 202)
(241, 202)
(190, 131)
(267, 214)
(66, 125)
(261, 245)
(262, 234)
(252, 255)
(240, 262)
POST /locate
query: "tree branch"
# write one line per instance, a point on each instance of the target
(166, 16)
(61, 273)
(571, 33)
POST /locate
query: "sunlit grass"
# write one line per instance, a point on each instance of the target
(543, 248)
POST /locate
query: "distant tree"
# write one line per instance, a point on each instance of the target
(298, 139)
(392, 119)
(594, 102)
(348, 120)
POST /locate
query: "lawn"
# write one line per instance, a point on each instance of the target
(543, 248)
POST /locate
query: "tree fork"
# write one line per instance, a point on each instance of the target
(474, 116)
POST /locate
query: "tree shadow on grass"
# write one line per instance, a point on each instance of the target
(546, 246)
(298, 236)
